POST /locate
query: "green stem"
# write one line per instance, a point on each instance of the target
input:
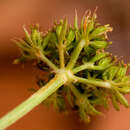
(102, 84)
(48, 62)
(61, 45)
(32, 101)
(74, 90)
(61, 55)
(89, 65)
(76, 53)
(82, 67)
(101, 67)
(120, 84)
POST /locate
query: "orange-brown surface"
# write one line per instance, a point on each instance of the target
(15, 81)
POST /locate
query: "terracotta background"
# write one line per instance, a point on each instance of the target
(15, 81)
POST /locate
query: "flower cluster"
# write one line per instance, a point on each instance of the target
(97, 76)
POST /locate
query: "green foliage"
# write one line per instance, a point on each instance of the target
(104, 77)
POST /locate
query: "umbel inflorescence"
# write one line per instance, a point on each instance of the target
(81, 73)
(96, 75)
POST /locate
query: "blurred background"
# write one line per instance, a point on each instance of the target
(15, 81)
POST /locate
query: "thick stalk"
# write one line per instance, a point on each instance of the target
(103, 84)
(76, 53)
(91, 66)
(32, 101)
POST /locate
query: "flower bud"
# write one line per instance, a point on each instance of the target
(49, 38)
(70, 37)
(46, 40)
(98, 56)
(105, 61)
(58, 30)
(36, 37)
(121, 98)
(62, 32)
(99, 31)
(125, 90)
(110, 73)
(98, 44)
(121, 73)
(90, 26)
(115, 102)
